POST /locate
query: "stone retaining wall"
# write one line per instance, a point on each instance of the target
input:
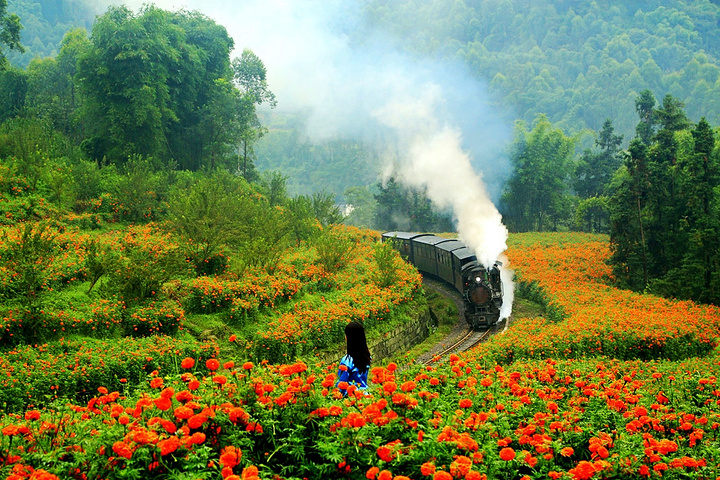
(402, 338)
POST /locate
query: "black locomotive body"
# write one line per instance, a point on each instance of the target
(451, 261)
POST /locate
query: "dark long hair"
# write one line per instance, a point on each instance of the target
(357, 346)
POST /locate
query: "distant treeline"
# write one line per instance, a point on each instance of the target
(578, 62)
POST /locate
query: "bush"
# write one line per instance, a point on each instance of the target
(334, 249)
(146, 259)
(386, 258)
(158, 318)
(27, 255)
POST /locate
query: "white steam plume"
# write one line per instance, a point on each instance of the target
(433, 118)
(429, 155)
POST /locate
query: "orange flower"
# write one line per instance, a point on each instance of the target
(567, 452)
(168, 445)
(183, 413)
(122, 449)
(507, 454)
(427, 468)
(212, 364)
(230, 456)
(187, 363)
(385, 454)
(389, 387)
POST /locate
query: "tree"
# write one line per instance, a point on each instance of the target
(13, 92)
(698, 175)
(537, 195)
(645, 108)
(361, 205)
(595, 169)
(664, 211)
(666, 239)
(52, 93)
(629, 218)
(250, 77)
(158, 84)
(10, 27)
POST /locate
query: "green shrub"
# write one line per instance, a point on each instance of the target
(334, 249)
(386, 258)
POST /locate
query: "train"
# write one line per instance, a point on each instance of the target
(454, 263)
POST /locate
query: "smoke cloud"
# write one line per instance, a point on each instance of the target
(433, 120)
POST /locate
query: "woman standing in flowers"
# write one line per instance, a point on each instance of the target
(354, 366)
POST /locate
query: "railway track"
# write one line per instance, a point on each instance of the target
(466, 342)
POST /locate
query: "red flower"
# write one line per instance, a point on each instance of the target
(232, 338)
(385, 475)
(156, 382)
(32, 415)
(247, 365)
(187, 363)
(408, 386)
(212, 364)
(250, 473)
(371, 473)
(583, 471)
(465, 403)
(163, 403)
(196, 421)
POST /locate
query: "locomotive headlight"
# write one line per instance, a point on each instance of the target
(478, 279)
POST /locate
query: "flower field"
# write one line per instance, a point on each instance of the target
(640, 403)
(86, 293)
(568, 273)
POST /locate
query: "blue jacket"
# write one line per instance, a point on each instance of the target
(352, 375)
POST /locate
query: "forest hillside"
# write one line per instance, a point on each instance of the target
(578, 62)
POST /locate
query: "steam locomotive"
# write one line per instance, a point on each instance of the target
(452, 261)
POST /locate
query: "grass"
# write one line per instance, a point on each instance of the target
(446, 313)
